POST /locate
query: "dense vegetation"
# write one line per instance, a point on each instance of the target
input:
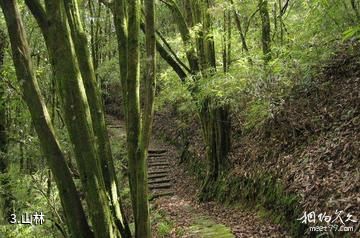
(250, 92)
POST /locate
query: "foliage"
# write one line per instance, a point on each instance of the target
(173, 92)
(31, 193)
(313, 29)
(303, 36)
(163, 226)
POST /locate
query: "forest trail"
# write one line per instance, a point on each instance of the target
(188, 221)
(173, 194)
(192, 219)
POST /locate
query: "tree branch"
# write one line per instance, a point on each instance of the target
(185, 35)
(239, 27)
(162, 38)
(249, 21)
(283, 10)
(38, 12)
(168, 58)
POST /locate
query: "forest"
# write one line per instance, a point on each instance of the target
(179, 118)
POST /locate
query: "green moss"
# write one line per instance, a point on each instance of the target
(206, 228)
(263, 193)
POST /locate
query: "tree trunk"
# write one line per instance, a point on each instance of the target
(138, 123)
(226, 41)
(143, 219)
(239, 27)
(97, 113)
(74, 213)
(54, 25)
(265, 32)
(93, 38)
(214, 119)
(186, 36)
(281, 23)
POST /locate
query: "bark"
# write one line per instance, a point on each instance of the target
(185, 35)
(119, 16)
(239, 27)
(198, 19)
(226, 41)
(216, 124)
(143, 220)
(73, 210)
(265, 31)
(138, 123)
(281, 24)
(54, 26)
(98, 35)
(169, 57)
(93, 38)
(97, 113)
(214, 119)
(160, 36)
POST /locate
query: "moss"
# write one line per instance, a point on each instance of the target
(263, 193)
(204, 227)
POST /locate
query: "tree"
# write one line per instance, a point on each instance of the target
(73, 210)
(239, 27)
(75, 78)
(200, 52)
(127, 15)
(265, 30)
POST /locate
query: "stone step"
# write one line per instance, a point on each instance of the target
(157, 156)
(157, 151)
(158, 164)
(158, 167)
(157, 161)
(160, 186)
(158, 194)
(115, 126)
(160, 180)
(158, 171)
(156, 176)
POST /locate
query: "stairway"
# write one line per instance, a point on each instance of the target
(159, 181)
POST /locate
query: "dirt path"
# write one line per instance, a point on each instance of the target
(174, 194)
(197, 220)
(188, 220)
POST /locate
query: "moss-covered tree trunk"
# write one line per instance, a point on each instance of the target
(139, 130)
(97, 113)
(214, 118)
(65, 42)
(127, 20)
(265, 30)
(143, 216)
(76, 220)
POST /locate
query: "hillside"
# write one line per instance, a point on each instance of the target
(304, 158)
